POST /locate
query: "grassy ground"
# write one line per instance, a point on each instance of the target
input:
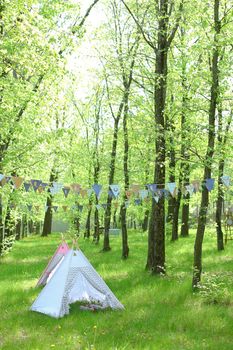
(160, 312)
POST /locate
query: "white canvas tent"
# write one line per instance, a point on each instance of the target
(74, 280)
(53, 263)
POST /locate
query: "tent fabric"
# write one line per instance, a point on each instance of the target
(59, 254)
(74, 280)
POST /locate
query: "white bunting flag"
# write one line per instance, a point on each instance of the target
(226, 180)
(172, 188)
(115, 190)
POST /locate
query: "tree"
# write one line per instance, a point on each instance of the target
(214, 95)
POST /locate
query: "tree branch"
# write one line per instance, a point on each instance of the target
(139, 26)
(173, 32)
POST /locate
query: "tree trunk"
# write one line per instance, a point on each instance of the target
(185, 215)
(88, 222)
(24, 226)
(219, 205)
(125, 247)
(107, 216)
(175, 223)
(145, 221)
(220, 198)
(197, 264)
(8, 223)
(185, 144)
(96, 225)
(156, 235)
(172, 167)
(48, 218)
(38, 228)
(18, 229)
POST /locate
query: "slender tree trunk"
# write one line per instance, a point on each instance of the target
(156, 236)
(185, 143)
(24, 226)
(88, 222)
(18, 229)
(8, 223)
(197, 264)
(145, 220)
(184, 232)
(31, 226)
(175, 223)
(107, 216)
(125, 247)
(172, 166)
(48, 218)
(219, 205)
(220, 198)
(96, 224)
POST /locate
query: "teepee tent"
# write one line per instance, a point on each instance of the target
(74, 280)
(53, 263)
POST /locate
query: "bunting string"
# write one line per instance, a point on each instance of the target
(142, 192)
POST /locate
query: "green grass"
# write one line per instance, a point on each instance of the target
(160, 312)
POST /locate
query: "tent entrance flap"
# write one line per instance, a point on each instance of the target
(82, 290)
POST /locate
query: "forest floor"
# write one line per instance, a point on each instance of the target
(160, 312)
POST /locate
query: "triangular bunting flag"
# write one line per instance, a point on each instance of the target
(5, 180)
(53, 191)
(110, 194)
(66, 191)
(29, 206)
(137, 201)
(83, 193)
(152, 187)
(17, 180)
(172, 188)
(35, 184)
(55, 207)
(89, 192)
(58, 186)
(209, 184)
(156, 198)
(190, 189)
(135, 188)
(26, 186)
(37, 207)
(226, 180)
(98, 206)
(40, 189)
(75, 188)
(115, 190)
(80, 208)
(128, 194)
(143, 194)
(1, 177)
(196, 185)
(64, 207)
(127, 203)
(165, 192)
(74, 207)
(44, 184)
(97, 189)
